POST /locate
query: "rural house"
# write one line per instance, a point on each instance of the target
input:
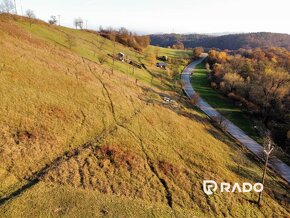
(121, 56)
(161, 65)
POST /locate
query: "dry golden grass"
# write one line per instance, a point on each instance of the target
(49, 106)
(78, 140)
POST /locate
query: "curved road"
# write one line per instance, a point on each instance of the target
(277, 165)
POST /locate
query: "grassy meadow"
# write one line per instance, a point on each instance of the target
(78, 139)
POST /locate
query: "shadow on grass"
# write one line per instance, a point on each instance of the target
(255, 202)
(242, 171)
(19, 191)
(220, 136)
(281, 196)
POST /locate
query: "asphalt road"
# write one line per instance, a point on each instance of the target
(274, 163)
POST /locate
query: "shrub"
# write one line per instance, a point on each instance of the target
(195, 99)
(220, 121)
(213, 85)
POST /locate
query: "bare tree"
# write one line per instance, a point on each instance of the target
(114, 51)
(268, 148)
(70, 40)
(102, 42)
(7, 6)
(53, 20)
(31, 15)
(79, 23)
(157, 51)
(102, 59)
(151, 58)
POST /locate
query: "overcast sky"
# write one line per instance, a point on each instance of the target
(179, 16)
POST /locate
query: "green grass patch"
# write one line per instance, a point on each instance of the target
(172, 53)
(221, 103)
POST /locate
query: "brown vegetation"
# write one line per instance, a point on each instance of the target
(178, 45)
(126, 38)
(197, 52)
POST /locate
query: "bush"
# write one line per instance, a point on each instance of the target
(213, 85)
(195, 99)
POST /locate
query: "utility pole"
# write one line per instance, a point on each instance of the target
(86, 24)
(21, 7)
(267, 150)
(59, 19)
(15, 7)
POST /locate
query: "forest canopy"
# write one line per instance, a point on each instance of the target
(231, 42)
(126, 38)
(260, 80)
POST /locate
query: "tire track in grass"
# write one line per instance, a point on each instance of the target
(67, 155)
(150, 164)
(111, 104)
(176, 151)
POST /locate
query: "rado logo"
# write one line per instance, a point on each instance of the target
(210, 186)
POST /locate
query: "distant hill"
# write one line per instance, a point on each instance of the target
(232, 41)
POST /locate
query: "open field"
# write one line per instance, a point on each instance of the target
(171, 52)
(77, 139)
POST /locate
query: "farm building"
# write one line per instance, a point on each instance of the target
(161, 65)
(121, 56)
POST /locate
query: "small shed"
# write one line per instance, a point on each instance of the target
(164, 58)
(161, 65)
(121, 56)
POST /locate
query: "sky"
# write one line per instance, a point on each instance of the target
(169, 16)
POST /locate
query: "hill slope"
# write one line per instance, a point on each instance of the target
(231, 42)
(77, 139)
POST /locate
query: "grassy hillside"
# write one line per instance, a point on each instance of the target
(80, 140)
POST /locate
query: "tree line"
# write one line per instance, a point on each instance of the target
(126, 38)
(260, 80)
(231, 42)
